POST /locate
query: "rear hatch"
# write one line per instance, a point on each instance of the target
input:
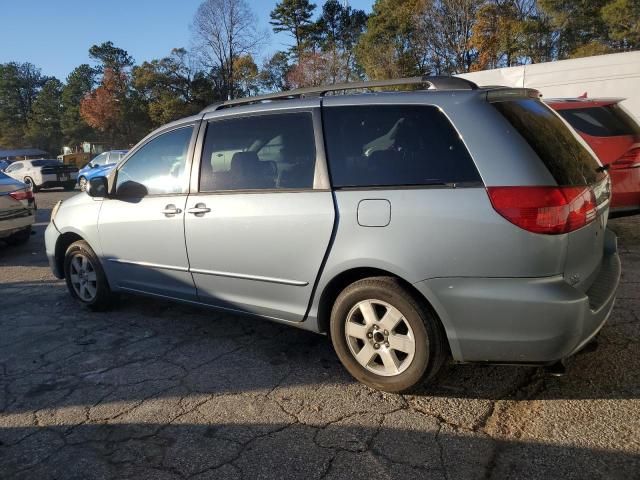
(577, 206)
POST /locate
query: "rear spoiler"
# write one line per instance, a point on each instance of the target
(579, 100)
(503, 94)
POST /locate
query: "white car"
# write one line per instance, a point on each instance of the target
(44, 174)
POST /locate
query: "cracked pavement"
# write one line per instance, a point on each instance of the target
(159, 390)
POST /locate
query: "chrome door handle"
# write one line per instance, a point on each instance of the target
(199, 209)
(171, 210)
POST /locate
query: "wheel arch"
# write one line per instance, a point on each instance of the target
(62, 243)
(343, 279)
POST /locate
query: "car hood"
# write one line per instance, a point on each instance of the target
(77, 200)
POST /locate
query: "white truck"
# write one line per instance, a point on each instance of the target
(614, 75)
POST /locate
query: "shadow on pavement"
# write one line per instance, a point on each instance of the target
(57, 355)
(232, 448)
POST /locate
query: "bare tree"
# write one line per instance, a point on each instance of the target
(225, 30)
(445, 29)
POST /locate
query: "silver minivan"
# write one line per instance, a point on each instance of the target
(410, 226)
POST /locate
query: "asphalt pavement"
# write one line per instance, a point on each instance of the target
(159, 390)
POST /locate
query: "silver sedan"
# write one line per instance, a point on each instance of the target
(17, 210)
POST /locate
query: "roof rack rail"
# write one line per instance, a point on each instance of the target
(433, 82)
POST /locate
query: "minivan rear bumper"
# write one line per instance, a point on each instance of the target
(523, 320)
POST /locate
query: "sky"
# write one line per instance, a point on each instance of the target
(56, 35)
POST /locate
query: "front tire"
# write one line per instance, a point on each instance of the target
(385, 336)
(85, 277)
(82, 183)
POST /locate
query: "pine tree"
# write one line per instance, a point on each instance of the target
(294, 17)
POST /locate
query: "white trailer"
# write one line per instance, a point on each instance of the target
(615, 75)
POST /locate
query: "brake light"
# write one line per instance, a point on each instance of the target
(548, 210)
(22, 194)
(630, 159)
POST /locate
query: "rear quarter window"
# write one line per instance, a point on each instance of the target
(395, 145)
(568, 161)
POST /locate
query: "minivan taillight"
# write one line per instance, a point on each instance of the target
(548, 210)
(22, 194)
(630, 159)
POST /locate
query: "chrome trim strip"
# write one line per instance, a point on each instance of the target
(150, 265)
(294, 283)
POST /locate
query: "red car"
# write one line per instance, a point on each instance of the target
(614, 135)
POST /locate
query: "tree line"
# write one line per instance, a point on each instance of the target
(116, 101)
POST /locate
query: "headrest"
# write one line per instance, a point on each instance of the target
(243, 162)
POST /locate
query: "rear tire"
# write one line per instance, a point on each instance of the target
(386, 337)
(82, 183)
(85, 277)
(19, 238)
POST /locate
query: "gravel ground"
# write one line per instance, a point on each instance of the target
(156, 390)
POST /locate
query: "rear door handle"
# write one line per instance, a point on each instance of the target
(199, 209)
(171, 210)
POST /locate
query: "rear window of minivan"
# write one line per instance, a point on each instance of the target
(605, 121)
(395, 145)
(568, 161)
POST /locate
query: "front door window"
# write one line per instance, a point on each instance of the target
(157, 168)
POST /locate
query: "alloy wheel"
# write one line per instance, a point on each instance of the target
(380, 338)
(83, 277)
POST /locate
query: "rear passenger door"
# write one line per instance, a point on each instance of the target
(406, 187)
(260, 223)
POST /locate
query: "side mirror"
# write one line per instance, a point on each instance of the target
(98, 187)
